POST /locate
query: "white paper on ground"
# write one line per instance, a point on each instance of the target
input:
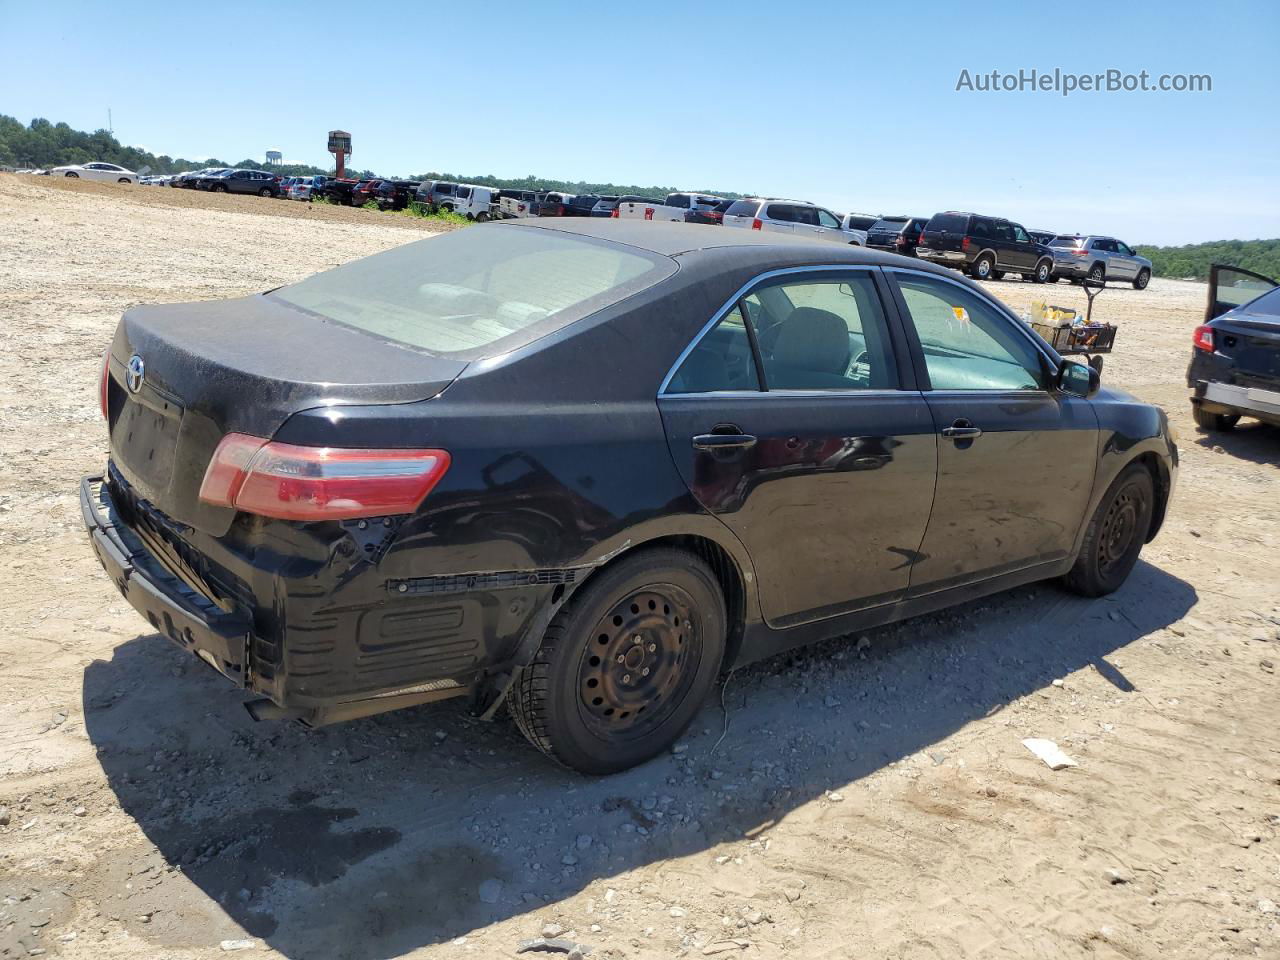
(1048, 751)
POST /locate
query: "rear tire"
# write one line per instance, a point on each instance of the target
(583, 700)
(124, 180)
(982, 267)
(1098, 273)
(1213, 422)
(264, 192)
(1115, 535)
(1142, 279)
(73, 176)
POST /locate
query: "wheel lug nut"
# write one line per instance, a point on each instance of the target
(621, 658)
(644, 672)
(637, 639)
(626, 678)
(653, 648)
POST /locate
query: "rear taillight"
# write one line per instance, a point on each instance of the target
(519, 208)
(104, 382)
(1203, 338)
(615, 215)
(964, 244)
(290, 482)
(901, 241)
(757, 224)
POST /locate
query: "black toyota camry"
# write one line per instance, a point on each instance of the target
(584, 467)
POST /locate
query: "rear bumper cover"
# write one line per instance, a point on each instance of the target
(1231, 398)
(172, 608)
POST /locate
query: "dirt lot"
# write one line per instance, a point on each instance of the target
(871, 797)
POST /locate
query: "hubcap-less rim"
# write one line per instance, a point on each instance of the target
(1119, 527)
(639, 662)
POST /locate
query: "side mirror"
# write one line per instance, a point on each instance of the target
(1077, 379)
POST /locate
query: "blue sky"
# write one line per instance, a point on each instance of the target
(852, 105)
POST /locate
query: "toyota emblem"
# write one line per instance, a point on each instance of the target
(133, 374)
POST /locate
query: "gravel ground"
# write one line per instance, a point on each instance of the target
(867, 797)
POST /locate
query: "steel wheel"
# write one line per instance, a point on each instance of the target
(599, 700)
(639, 663)
(1119, 527)
(1115, 535)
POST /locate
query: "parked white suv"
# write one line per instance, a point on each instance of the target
(790, 216)
(474, 202)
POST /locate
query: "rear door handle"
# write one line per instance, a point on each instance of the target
(724, 441)
(962, 429)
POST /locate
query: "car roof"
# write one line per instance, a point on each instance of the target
(674, 239)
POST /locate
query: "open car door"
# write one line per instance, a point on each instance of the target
(1229, 287)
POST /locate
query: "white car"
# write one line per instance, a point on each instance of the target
(95, 171)
(674, 207)
(791, 216)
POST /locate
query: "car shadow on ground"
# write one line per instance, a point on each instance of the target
(1250, 440)
(373, 838)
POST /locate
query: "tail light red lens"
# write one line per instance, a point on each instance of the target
(1203, 338)
(291, 482)
(757, 224)
(104, 382)
(964, 244)
(615, 215)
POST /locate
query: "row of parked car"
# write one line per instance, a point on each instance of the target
(986, 247)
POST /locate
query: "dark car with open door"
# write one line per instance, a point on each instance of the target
(1235, 359)
(582, 466)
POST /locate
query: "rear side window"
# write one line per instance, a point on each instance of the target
(967, 343)
(828, 335)
(743, 208)
(679, 200)
(784, 212)
(950, 222)
(721, 360)
(477, 292)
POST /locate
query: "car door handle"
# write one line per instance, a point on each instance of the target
(724, 441)
(961, 430)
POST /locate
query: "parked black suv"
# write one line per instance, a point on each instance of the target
(396, 194)
(985, 247)
(897, 234)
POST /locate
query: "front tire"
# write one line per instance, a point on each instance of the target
(1142, 279)
(482, 218)
(625, 664)
(1213, 422)
(1115, 535)
(264, 192)
(1044, 270)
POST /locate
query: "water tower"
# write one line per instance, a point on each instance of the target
(340, 147)
(274, 156)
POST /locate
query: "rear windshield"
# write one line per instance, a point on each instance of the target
(743, 208)
(480, 291)
(889, 225)
(953, 222)
(858, 222)
(1066, 241)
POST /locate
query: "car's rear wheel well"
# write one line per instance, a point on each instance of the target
(726, 571)
(1160, 480)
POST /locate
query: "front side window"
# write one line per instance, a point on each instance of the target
(1020, 235)
(1123, 249)
(968, 344)
(826, 219)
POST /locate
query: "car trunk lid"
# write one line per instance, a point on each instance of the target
(1252, 343)
(183, 376)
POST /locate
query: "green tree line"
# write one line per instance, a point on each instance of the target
(1192, 261)
(43, 144)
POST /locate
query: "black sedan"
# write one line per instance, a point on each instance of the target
(1235, 360)
(584, 466)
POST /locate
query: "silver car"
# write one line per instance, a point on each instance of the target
(1098, 258)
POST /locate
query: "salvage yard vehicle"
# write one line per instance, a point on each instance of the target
(1099, 259)
(241, 181)
(514, 204)
(474, 202)
(674, 207)
(1235, 360)
(985, 247)
(582, 466)
(795, 217)
(897, 234)
(109, 172)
